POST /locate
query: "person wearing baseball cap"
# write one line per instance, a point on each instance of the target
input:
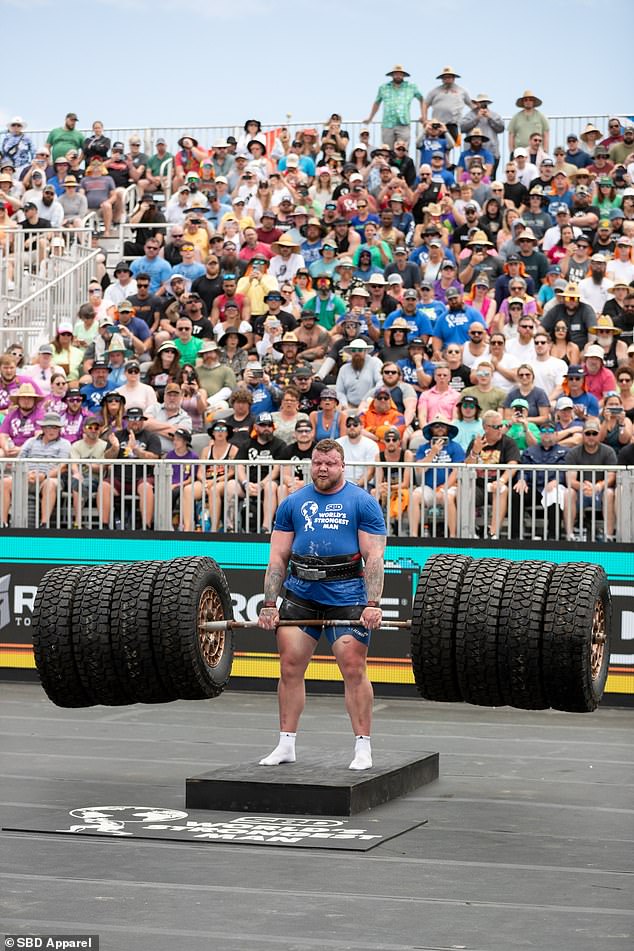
(591, 488)
(135, 442)
(299, 451)
(599, 380)
(256, 481)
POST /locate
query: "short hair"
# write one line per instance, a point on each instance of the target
(490, 416)
(329, 445)
(143, 276)
(526, 366)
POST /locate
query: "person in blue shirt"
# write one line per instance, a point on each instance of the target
(418, 323)
(438, 482)
(453, 327)
(189, 268)
(415, 367)
(428, 305)
(586, 404)
(476, 140)
(157, 267)
(540, 489)
(95, 391)
(326, 559)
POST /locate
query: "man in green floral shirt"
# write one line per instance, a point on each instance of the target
(396, 97)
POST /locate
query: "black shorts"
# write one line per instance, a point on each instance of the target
(295, 607)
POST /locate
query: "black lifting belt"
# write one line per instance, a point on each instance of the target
(337, 568)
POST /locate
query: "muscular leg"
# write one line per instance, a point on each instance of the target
(351, 656)
(296, 648)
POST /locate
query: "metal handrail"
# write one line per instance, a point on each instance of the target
(32, 320)
(560, 126)
(125, 505)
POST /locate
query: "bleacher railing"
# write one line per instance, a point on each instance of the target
(208, 496)
(207, 135)
(32, 318)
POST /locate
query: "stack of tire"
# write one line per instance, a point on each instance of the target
(129, 633)
(527, 634)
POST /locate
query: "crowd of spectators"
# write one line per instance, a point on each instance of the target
(416, 300)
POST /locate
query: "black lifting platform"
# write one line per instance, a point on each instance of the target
(314, 786)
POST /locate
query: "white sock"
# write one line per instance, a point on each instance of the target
(362, 753)
(284, 752)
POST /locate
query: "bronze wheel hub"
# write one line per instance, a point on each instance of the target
(212, 644)
(597, 649)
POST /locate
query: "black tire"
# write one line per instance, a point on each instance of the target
(189, 590)
(520, 627)
(434, 614)
(92, 635)
(477, 631)
(52, 637)
(132, 635)
(576, 644)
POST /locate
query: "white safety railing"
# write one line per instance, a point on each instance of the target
(32, 320)
(210, 496)
(33, 261)
(207, 135)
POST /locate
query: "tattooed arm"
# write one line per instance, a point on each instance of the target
(372, 547)
(281, 547)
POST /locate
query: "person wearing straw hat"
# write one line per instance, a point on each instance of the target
(42, 476)
(475, 141)
(590, 136)
(396, 96)
(286, 259)
(605, 335)
(447, 101)
(22, 421)
(528, 121)
(489, 122)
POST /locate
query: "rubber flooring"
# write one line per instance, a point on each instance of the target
(529, 840)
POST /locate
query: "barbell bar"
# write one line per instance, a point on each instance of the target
(211, 626)
(487, 631)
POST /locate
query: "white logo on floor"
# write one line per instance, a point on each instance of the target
(128, 820)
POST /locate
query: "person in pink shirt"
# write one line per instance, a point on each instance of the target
(21, 422)
(11, 381)
(440, 399)
(599, 380)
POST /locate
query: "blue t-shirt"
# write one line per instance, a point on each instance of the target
(408, 369)
(262, 400)
(451, 452)
(93, 395)
(190, 271)
(418, 323)
(137, 327)
(433, 310)
(310, 251)
(158, 269)
(589, 401)
(325, 525)
(453, 327)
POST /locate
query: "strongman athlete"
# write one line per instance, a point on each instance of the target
(327, 550)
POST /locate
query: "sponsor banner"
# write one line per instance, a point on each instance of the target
(155, 822)
(245, 562)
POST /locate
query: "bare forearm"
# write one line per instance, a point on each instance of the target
(274, 579)
(373, 576)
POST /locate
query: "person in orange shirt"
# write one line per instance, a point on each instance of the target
(381, 415)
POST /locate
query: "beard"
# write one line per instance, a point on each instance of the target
(358, 360)
(265, 436)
